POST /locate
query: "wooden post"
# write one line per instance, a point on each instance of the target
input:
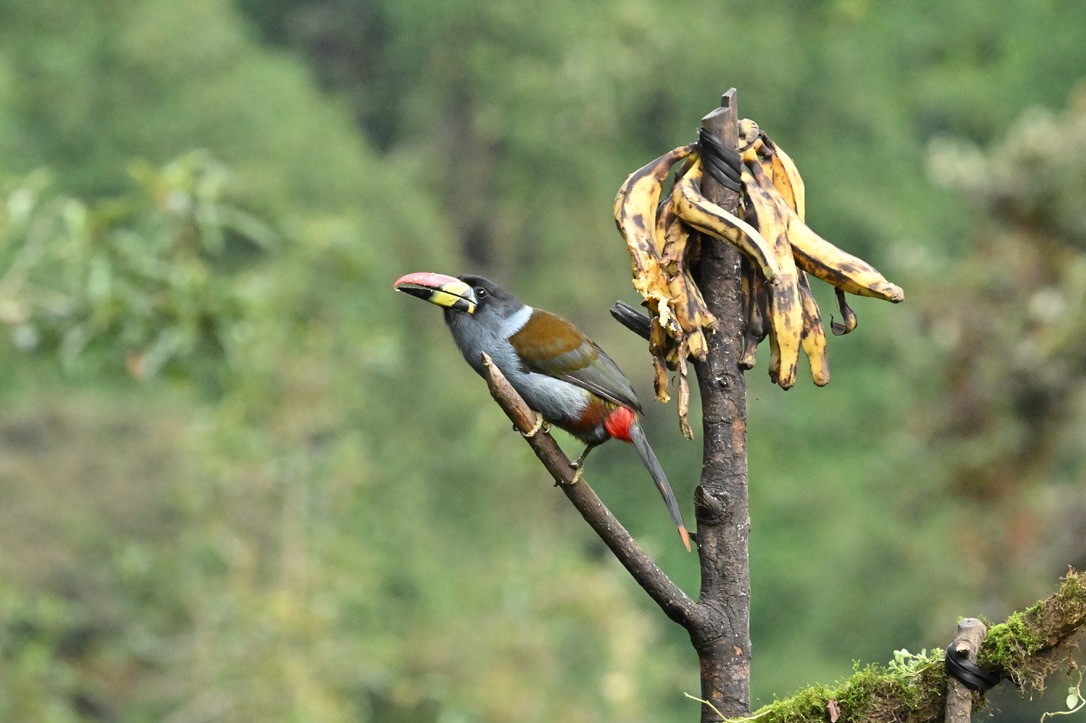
(959, 699)
(720, 501)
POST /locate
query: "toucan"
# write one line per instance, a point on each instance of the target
(560, 373)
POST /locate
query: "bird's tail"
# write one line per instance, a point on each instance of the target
(641, 444)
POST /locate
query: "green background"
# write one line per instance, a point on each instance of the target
(242, 479)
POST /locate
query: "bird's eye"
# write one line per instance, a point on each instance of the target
(480, 292)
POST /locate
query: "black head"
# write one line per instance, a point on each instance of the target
(490, 299)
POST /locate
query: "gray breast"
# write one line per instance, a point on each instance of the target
(553, 398)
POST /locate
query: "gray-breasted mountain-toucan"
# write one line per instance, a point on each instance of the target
(559, 371)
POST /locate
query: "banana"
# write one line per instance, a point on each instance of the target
(683, 402)
(819, 257)
(635, 216)
(688, 306)
(813, 340)
(746, 283)
(785, 307)
(709, 218)
(813, 254)
(786, 177)
(847, 314)
(750, 140)
(779, 251)
(756, 147)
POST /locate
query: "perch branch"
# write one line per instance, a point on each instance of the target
(669, 596)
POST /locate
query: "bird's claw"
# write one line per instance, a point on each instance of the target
(578, 465)
(539, 424)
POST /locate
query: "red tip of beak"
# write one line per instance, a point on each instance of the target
(424, 278)
(686, 538)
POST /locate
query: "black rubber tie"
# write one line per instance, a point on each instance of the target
(721, 162)
(971, 675)
(727, 158)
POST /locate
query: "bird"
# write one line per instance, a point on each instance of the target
(565, 377)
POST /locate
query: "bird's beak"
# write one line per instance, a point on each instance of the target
(439, 289)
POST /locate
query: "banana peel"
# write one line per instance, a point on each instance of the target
(663, 233)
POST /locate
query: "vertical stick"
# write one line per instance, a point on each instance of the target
(720, 500)
(959, 700)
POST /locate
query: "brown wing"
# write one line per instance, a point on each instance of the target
(548, 344)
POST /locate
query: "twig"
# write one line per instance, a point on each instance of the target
(631, 318)
(672, 600)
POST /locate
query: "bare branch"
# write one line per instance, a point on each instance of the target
(672, 600)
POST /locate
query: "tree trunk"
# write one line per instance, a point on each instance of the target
(723, 644)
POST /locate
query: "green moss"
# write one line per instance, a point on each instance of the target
(1028, 644)
(911, 691)
(1007, 643)
(913, 687)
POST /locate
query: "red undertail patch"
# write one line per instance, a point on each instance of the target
(618, 423)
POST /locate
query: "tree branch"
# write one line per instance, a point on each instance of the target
(1029, 644)
(672, 600)
(1027, 647)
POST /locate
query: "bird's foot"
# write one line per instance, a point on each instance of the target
(539, 425)
(579, 462)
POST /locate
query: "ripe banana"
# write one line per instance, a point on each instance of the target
(819, 257)
(779, 251)
(813, 254)
(659, 343)
(635, 215)
(785, 307)
(755, 301)
(661, 247)
(814, 335)
(756, 147)
(786, 175)
(707, 217)
(689, 308)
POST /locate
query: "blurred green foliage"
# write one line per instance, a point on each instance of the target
(240, 479)
(152, 272)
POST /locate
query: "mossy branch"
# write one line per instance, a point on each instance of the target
(1027, 648)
